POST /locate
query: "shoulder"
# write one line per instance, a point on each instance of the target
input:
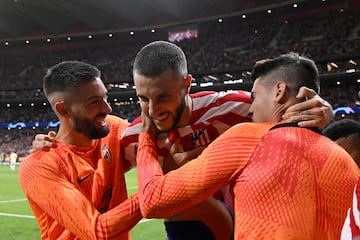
(290, 131)
(133, 129)
(248, 129)
(231, 95)
(116, 125)
(230, 106)
(298, 139)
(40, 157)
(116, 121)
(39, 163)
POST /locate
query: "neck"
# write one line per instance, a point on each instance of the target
(68, 136)
(187, 113)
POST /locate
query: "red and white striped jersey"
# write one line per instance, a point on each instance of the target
(212, 114)
(351, 228)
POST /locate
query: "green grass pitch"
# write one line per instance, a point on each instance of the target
(17, 221)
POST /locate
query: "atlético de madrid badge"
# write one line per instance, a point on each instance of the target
(106, 153)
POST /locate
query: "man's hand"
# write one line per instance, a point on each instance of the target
(177, 157)
(314, 112)
(148, 125)
(44, 142)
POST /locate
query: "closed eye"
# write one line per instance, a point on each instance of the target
(252, 95)
(143, 99)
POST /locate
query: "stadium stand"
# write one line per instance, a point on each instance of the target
(220, 58)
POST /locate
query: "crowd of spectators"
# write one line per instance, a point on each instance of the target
(231, 46)
(234, 43)
(19, 139)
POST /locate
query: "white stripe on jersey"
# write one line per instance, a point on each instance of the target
(236, 107)
(346, 232)
(238, 104)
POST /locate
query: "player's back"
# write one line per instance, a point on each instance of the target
(297, 185)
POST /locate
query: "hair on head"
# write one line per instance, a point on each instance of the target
(156, 57)
(291, 68)
(65, 76)
(341, 128)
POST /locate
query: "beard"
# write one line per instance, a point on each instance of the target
(87, 128)
(176, 117)
(179, 113)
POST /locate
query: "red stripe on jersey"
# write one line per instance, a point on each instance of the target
(213, 113)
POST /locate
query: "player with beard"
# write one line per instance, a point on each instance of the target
(186, 124)
(77, 190)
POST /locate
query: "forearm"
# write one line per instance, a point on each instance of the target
(151, 182)
(118, 220)
(163, 196)
(68, 207)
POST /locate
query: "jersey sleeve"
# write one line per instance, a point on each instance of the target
(162, 196)
(50, 193)
(129, 142)
(119, 122)
(121, 128)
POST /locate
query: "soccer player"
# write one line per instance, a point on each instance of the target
(286, 181)
(13, 159)
(346, 133)
(77, 190)
(187, 123)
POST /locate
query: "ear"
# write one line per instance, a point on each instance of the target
(280, 91)
(61, 109)
(187, 82)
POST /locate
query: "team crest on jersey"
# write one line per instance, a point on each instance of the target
(106, 153)
(197, 134)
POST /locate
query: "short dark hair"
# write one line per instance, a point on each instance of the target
(156, 57)
(65, 76)
(341, 128)
(294, 70)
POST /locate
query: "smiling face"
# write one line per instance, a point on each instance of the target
(162, 98)
(88, 109)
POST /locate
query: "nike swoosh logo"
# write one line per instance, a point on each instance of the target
(80, 180)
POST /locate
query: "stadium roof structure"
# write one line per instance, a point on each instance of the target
(29, 19)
